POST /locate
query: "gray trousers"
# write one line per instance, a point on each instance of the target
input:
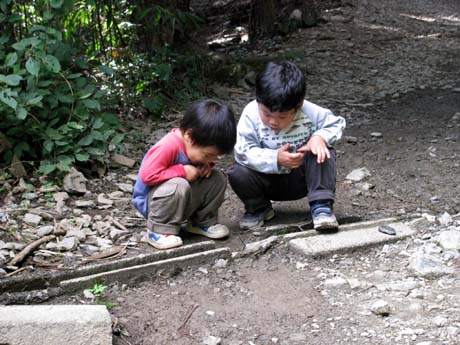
(255, 189)
(176, 201)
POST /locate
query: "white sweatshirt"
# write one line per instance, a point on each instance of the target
(257, 144)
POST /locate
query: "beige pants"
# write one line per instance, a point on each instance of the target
(176, 201)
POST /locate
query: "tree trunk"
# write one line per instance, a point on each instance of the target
(151, 34)
(263, 18)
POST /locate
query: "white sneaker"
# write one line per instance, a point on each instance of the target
(161, 241)
(214, 231)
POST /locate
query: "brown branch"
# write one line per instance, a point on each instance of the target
(29, 249)
(187, 317)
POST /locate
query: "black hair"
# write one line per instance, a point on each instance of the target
(211, 123)
(280, 86)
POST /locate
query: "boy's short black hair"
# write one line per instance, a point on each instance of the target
(211, 123)
(280, 86)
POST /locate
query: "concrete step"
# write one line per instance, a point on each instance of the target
(52, 279)
(349, 237)
(134, 274)
(55, 325)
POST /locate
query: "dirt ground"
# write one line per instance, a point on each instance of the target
(391, 69)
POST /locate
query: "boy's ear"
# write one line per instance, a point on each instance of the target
(188, 135)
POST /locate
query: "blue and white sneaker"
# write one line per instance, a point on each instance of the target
(323, 217)
(253, 220)
(161, 241)
(215, 231)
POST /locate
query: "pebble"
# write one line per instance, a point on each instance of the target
(381, 307)
(32, 219)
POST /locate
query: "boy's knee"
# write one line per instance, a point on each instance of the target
(238, 174)
(219, 177)
(183, 186)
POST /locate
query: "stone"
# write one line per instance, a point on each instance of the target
(45, 230)
(381, 307)
(211, 340)
(336, 282)
(428, 266)
(85, 203)
(60, 198)
(75, 182)
(449, 240)
(123, 160)
(103, 200)
(115, 234)
(296, 15)
(32, 219)
(440, 321)
(358, 175)
(125, 187)
(79, 234)
(445, 219)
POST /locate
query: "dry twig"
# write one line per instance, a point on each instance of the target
(29, 249)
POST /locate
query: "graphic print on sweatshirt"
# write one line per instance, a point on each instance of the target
(297, 135)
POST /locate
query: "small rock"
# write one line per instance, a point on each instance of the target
(67, 244)
(211, 340)
(75, 182)
(116, 195)
(32, 219)
(115, 234)
(428, 266)
(85, 203)
(203, 270)
(297, 337)
(445, 219)
(123, 160)
(30, 196)
(336, 282)
(81, 235)
(125, 187)
(45, 230)
(101, 199)
(381, 307)
(449, 240)
(440, 321)
(358, 174)
(351, 140)
(220, 263)
(88, 294)
(296, 15)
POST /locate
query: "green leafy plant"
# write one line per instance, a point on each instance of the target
(98, 290)
(51, 108)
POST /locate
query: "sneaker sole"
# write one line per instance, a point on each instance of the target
(205, 234)
(269, 216)
(163, 247)
(326, 226)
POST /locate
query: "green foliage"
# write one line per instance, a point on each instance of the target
(98, 290)
(158, 80)
(50, 102)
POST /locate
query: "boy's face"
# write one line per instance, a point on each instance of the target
(278, 119)
(199, 154)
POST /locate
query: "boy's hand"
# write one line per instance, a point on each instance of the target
(317, 146)
(191, 173)
(205, 170)
(287, 159)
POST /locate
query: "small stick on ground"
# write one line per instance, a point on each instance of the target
(190, 311)
(29, 249)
